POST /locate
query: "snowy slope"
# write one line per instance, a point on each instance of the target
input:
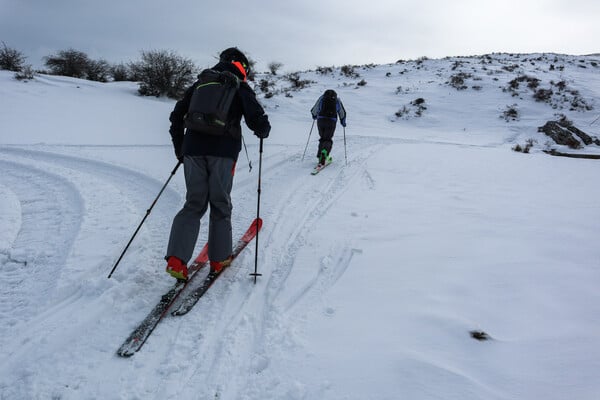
(374, 271)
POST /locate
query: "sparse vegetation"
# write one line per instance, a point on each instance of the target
(297, 82)
(11, 59)
(414, 108)
(70, 62)
(543, 95)
(511, 68)
(267, 86)
(419, 104)
(348, 71)
(324, 70)
(163, 73)
(120, 72)
(26, 73)
(479, 335)
(98, 70)
(511, 113)
(525, 149)
(77, 64)
(457, 81)
(557, 96)
(274, 67)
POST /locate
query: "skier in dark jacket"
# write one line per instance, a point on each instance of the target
(209, 164)
(326, 111)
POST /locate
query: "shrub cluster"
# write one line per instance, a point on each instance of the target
(416, 107)
(297, 82)
(163, 73)
(524, 149)
(349, 71)
(324, 70)
(274, 67)
(77, 64)
(11, 59)
(511, 113)
(457, 81)
(558, 95)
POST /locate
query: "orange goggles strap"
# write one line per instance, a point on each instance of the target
(240, 66)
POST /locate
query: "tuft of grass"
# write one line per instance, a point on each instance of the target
(525, 149)
(480, 335)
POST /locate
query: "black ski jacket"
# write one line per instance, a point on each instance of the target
(195, 143)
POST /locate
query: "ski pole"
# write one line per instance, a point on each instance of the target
(311, 129)
(144, 219)
(345, 154)
(248, 158)
(255, 274)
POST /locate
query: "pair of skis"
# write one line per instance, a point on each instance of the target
(140, 334)
(320, 167)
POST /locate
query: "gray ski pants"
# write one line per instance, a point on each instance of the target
(208, 180)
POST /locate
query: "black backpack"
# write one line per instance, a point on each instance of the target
(211, 101)
(329, 104)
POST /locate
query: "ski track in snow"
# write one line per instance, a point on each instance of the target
(224, 332)
(51, 216)
(68, 208)
(235, 336)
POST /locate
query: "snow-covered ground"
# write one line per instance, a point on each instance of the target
(373, 272)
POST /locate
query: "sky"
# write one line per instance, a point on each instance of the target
(300, 35)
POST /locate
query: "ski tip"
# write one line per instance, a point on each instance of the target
(125, 353)
(258, 222)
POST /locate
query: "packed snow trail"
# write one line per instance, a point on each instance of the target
(51, 214)
(238, 326)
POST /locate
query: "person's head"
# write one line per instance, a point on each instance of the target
(234, 56)
(330, 93)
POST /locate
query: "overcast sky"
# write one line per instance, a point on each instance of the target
(300, 34)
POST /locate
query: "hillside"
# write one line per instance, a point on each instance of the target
(426, 227)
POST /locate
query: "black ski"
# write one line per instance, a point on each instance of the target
(138, 337)
(192, 298)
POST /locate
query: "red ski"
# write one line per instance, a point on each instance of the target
(192, 298)
(138, 337)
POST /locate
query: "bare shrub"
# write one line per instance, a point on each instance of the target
(457, 81)
(274, 67)
(525, 149)
(163, 73)
(325, 70)
(296, 81)
(68, 62)
(97, 70)
(419, 104)
(543, 95)
(120, 72)
(348, 70)
(402, 112)
(26, 73)
(511, 113)
(11, 59)
(416, 107)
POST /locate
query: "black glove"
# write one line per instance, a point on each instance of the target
(178, 147)
(263, 134)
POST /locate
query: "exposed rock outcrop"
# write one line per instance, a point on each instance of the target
(564, 133)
